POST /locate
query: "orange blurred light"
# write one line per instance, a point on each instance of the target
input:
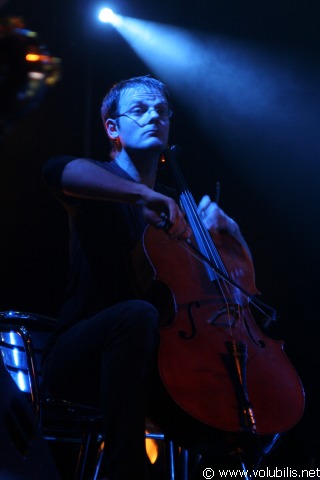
(32, 57)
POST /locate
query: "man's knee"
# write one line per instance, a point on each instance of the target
(141, 315)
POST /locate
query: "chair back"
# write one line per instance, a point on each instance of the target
(24, 452)
(22, 339)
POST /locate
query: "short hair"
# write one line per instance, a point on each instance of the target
(110, 103)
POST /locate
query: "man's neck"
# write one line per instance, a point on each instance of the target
(141, 167)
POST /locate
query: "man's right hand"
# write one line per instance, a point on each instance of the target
(159, 209)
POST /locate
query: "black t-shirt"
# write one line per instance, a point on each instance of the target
(102, 236)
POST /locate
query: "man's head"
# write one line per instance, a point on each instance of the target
(136, 113)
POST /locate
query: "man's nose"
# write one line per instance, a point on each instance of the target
(153, 113)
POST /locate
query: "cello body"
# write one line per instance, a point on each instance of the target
(214, 361)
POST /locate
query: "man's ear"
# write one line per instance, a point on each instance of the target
(111, 128)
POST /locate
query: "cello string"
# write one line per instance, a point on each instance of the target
(199, 230)
(209, 246)
(258, 304)
(202, 238)
(202, 235)
(217, 279)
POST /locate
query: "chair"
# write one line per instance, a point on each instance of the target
(22, 338)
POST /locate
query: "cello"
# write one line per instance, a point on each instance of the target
(215, 362)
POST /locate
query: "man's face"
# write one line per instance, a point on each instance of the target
(143, 121)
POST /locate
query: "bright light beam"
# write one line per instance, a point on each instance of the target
(264, 111)
(213, 73)
(235, 90)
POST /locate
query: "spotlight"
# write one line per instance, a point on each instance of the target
(106, 15)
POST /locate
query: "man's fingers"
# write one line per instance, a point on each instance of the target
(165, 223)
(204, 203)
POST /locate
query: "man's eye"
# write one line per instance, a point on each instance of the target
(161, 109)
(136, 110)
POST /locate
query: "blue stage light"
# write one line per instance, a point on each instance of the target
(106, 15)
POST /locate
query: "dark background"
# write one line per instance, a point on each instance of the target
(268, 164)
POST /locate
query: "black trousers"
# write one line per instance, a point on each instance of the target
(107, 360)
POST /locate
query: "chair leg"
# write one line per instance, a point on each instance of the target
(82, 457)
(176, 462)
(184, 457)
(99, 457)
(170, 455)
(85, 450)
